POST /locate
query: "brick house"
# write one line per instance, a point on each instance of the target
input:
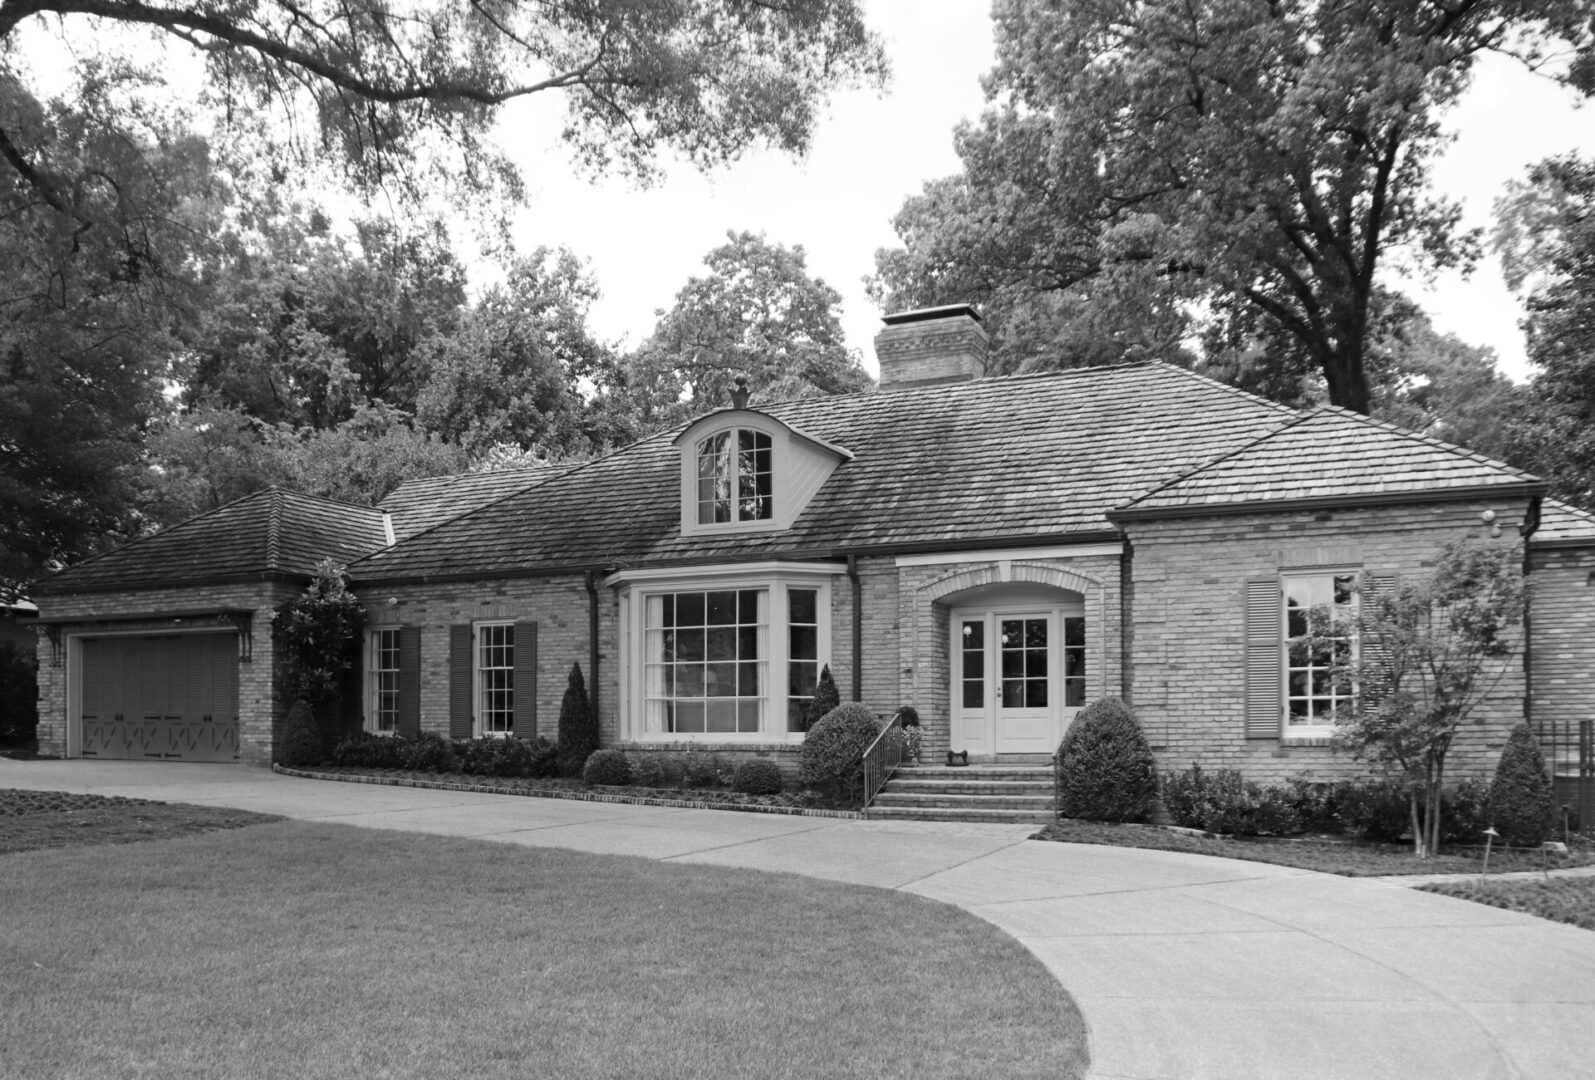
(995, 552)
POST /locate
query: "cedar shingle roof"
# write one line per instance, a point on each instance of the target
(272, 532)
(1563, 525)
(1333, 455)
(987, 462)
(418, 505)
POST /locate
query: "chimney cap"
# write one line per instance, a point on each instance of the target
(946, 311)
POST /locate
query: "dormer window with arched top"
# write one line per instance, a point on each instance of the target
(743, 470)
(736, 477)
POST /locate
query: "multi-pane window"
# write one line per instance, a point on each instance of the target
(802, 655)
(735, 477)
(1074, 660)
(495, 678)
(1023, 660)
(384, 695)
(705, 668)
(1314, 688)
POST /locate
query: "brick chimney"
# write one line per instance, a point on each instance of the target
(931, 346)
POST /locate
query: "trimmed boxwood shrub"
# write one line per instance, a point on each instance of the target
(646, 771)
(1465, 813)
(428, 752)
(834, 748)
(700, 770)
(757, 777)
(1106, 769)
(367, 751)
(301, 737)
(1522, 800)
(608, 767)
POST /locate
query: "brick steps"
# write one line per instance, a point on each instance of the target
(993, 793)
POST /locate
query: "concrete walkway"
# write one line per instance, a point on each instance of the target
(1184, 965)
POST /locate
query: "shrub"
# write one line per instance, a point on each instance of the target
(1522, 801)
(367, 751)
(1222, 801)
(1316, 804)
(301, 737)
(428, 752)
(542, 757)
(578, 729)
(1465, 813)
(1375, 809)
(826, 698)
(1106, 769)
(501, 755)
(700, 770)
(317, 637)
(608, 767)
(833, 750)
(19, 692)
(646, 771)
(757, 777)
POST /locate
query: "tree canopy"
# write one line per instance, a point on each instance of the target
(1147, 170)
(757, 312)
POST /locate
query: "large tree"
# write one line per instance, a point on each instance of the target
(758, 313)
(1246, 164)
(1546, 236)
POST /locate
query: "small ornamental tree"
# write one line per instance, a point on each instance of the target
(316, 636)
(1106, 771)
(825, 699)
(1428, 653)
(1522, 799)
(578, 728)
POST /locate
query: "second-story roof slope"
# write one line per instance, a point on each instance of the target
(992, 461)
(274, 532)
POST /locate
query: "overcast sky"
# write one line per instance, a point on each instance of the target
(874, 150)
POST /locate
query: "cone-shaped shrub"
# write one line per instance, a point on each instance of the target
(826, 698)
(1522, 801)
(1107, 772)
(578, 729)
(833, 750)
(301, 737)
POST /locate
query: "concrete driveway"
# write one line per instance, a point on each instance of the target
(1184, 966)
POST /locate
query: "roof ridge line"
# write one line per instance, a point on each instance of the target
(274, 528)
(1439, 444)
(1222, 385)
(1294, 421)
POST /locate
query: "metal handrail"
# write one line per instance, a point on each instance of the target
(882, 758)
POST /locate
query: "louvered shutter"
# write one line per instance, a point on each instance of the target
(526, 679)
(1264, 689)
(461, 670)
(1372, 656)
(409, 681)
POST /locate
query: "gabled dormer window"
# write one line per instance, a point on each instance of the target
(736, 477)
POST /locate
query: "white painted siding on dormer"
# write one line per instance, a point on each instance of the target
(801, 464)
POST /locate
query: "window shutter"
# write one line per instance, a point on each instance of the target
(526, 679)
(409, 681)
(461, 671)
(1264, 691)
(1373, 655)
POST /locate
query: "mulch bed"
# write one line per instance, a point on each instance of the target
(36, 820)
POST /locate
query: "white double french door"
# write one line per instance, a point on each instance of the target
(1016, 677)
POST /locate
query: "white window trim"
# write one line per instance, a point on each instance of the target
(774, 577)
(478, 708)
(372, 694)
(1310, 734)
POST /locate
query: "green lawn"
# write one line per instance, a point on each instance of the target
(1350, 860)
(306, 950)
(1569, 900)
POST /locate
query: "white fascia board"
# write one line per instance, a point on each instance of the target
(1061, 551)
(728, 571)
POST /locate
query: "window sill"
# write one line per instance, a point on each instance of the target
(1305, 740)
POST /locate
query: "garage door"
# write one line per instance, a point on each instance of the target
(169, 697)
